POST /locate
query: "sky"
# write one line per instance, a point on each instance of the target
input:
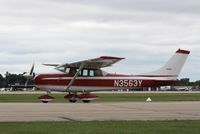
(145, 32)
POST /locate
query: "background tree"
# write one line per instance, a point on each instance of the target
(12, 79)
(2, 82)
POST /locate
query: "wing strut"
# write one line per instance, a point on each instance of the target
(75, 76)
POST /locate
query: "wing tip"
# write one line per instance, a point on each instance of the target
(183, 51)
(111, 57)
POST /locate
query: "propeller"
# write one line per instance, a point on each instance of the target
(29, 76)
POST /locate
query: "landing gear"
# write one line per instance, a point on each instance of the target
(46, 98)
(72, 97)
(45, 101)
(85, 97)
(72, 100)
(86, 101)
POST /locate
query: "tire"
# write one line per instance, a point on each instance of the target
(72, 100)
(86, 101)
(45, 101)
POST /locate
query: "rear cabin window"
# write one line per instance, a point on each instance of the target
(85, 72)
(98, 73)
(92, 73)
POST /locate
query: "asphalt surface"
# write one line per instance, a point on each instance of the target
(100, 111)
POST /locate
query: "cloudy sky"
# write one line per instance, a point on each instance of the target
(145, 32)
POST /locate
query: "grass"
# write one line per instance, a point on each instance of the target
(102, 127)
(153, 96)
(133, 97)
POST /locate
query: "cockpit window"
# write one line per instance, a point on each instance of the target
(73, 71)
(64, 69)
(67, 70)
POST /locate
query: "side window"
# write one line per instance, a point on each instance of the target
(97, 73)
(72, 71)
(63, 69)
(85, 72)
(67, 70)
(79, 72)
(92, 73)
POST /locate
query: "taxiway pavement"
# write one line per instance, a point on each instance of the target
(100, 111)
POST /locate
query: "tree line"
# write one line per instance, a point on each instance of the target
(187, 82)
(11, 79)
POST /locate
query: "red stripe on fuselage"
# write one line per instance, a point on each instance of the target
(56, 80)
(124, 75)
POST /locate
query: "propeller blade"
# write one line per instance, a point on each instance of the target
(31, 74)
(32, 69)
(24, 73)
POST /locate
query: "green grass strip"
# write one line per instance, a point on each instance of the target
(102, 127)
(124, 97)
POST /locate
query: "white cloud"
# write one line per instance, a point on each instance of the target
(146, 32)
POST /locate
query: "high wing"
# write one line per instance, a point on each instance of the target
(53, 65)
(101, 62)
(96, 63)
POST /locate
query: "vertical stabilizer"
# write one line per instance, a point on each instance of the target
(174, 66)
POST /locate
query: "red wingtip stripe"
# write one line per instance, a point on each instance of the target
(183, 51)
(111, 57)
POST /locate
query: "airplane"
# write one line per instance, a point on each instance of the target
(81, 78)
